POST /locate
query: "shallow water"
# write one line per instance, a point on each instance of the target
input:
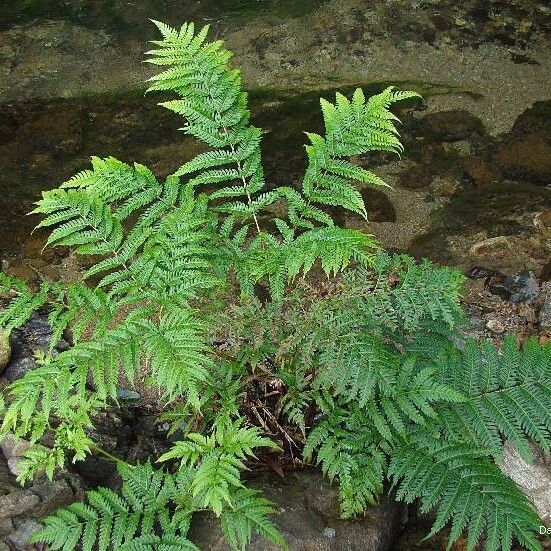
(456, 185)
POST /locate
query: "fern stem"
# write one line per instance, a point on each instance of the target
(249, 199)
(108, 455)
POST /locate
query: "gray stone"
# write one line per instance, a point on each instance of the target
(17, 368)
(521, 287)
(533, 478)
(17, 503)
(308, 517)
(14, 466)
(20, 538)
(53, 495)
(6, 526)
(13, 446)
(544, 318)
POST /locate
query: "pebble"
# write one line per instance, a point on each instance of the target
(495, 326)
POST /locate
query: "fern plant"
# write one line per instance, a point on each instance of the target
(370, 381)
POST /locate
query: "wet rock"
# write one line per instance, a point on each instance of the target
(533, 478)
(21, 537)
(17, 368)
(444, 187)
(5, 350)
(7, 484)
(309, 519)
(14, 466)
(494, 245)
(127, 395)
(449, 126)
(521, 287)
(528, 158)
(17, 503)
(33, 335)
(479, 171)
(526, 151)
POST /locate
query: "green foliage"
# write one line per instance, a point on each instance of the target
(365, 372)
(143, 516)
(153, 509)
(467, 489)
(218, 459)
(509, 395)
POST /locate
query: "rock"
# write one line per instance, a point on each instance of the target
(495, 326)
(491, 246)
(526, 151)
(444, 187)
(17, 503)
(53, 495)
(449, 126)
(478, 170)
(17, 368)
(5, 350)
(13, 446)
(7, 483)
(528, 158)
(544, 317)
(14, 466)
(534, 479)
(6, 526)
(20, 538)
(127, 395)
(521, 287)
(309, 519)
(33, 335)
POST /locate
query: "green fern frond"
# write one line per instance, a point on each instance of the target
(349, 451)
(250, 513)
(508, 395)
(23, 303)
(219, 458)
(111, 521)
(352, 127)
(178, 355)
(468, 490)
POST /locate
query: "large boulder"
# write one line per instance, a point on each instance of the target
(533, 478)
(309, 519)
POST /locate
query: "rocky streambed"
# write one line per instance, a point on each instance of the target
(473, 188)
